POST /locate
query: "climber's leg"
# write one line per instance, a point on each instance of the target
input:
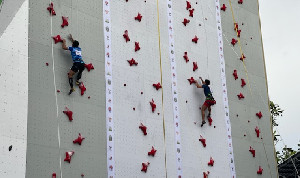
(203, 108)
(73, 70)
(209, 111)
(81, 69)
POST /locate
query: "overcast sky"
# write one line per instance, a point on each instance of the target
(281, 37)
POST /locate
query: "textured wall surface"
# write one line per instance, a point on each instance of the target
(243, 112)
(50, 133)
(14, 92)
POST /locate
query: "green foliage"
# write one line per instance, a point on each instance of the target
(275, 112)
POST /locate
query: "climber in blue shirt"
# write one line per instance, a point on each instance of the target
(78, 63)
(209, 101)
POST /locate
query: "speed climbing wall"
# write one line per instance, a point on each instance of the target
(137, 112)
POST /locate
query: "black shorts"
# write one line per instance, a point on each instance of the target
(77, 66)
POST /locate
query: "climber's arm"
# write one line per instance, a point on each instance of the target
(202, 80)
(197, 84)
(71, 38)
(64, 46)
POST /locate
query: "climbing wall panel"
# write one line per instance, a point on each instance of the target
(14, 90)
(50, 133)
(252, 70)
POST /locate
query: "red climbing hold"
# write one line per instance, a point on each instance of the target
(152, 152)
(132, 62)
(138, 17)
(57, 39)
(239, 33)
(243, 82)
(240, 1)
(82, 88)
(47, 64)
(211, 162)
(195, 66)
(54, 175)
(260, 170)
(125, 35)
(89, 66)
(143, 128)
(153, 105)
(157, 86)
(252, 151)
(51, 9)
(203, 141)
(209, 120)
(205, 174)
(68, 156)
(69, 113)
(137, 46)
(240, 96)
(186, 57)
(236, 26)
(79, 139)
(195, 39)
(191, 12)
(82, 175)
(242, 57)
(223, 8)
(57, 91)
(145, 166)
(233, 41)
(235, 74)
(191, 80)
(188, 5)
(259, 115)
(65, 21)
(185, 21)
(257, 131)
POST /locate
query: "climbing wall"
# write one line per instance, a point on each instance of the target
(245, 112)
(50, 132)
(14, 89)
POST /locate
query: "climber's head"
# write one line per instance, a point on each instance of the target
(207, 82)
(75, 44)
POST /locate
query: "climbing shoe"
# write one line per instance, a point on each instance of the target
(203, 122)
(71, 91)
(77, 82)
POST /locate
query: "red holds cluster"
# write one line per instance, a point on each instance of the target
(257, 131)
(143, 128)
(68, 156)
(132, 62)
(191, 80)
(235, 74)
(69, 113)
(252, 151)
(186, 58)
(137, 46)
(211, 162)
(203, 141)
(145, 166)
(195, 39)
(259, 115)
(57, 39)
(157, 86)
(82, 88)
(240, 96)
(185, 21)
(89, 66)
(79, 139)
(195, 66)
(51, 9)
(125, 35)
(233, 41)
(153, 105)
(260, 170)
(64, 21)
(152, 152)
(223, 8)
(138, 17)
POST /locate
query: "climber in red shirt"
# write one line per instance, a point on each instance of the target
(209, 101)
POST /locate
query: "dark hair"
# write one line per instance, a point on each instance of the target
(207, 82)
(75, 44)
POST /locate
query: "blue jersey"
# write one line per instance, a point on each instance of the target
(207, 91)
(76, 54)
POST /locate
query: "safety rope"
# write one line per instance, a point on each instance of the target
(246, 72)
(162, 93)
